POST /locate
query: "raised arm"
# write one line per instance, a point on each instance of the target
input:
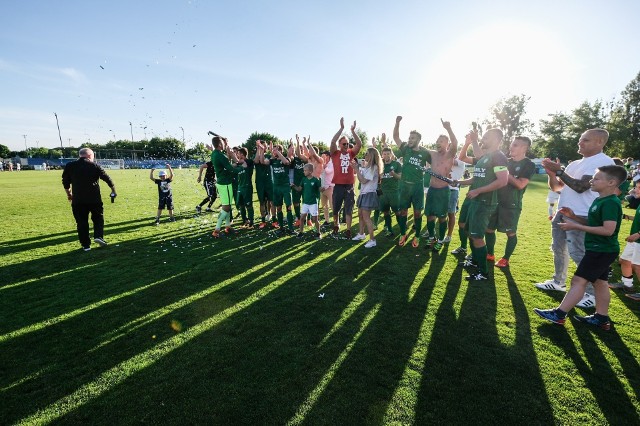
(358, 145)
(256, 158)
(453, 148)
(151, 174)
(334, 141)
(463, 152)
(282, 158)
(396, 131)
(557, 180)
(170, 171)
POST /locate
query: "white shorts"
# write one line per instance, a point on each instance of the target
(311, 209)
(552, 197)
(631, 253)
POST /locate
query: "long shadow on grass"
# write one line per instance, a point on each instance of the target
(600, 379)
(69, 356)
(47, 240)
(469, 368)
(265, 356)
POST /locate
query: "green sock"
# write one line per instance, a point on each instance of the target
(490, 237)
(290, 220)
(228, 219)
(512, 242)
(481, 253)
(297, 210)
(387, 222)
(442, 230)
(221, 217)
(376, 216)
(243, 214)
(417, 225)
(280, 218)
(431, 227)
(462, 233)
(250, 213)
(402, 221)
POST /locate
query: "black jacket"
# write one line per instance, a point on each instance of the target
(82, 176)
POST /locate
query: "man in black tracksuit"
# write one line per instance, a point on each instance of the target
(82, 176)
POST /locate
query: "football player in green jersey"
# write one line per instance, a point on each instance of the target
(489, 174)
(505, 218)
(410, 192)
(281, 185)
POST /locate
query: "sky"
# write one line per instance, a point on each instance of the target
(179, 68)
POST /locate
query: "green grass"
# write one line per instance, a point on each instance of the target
(167, 325)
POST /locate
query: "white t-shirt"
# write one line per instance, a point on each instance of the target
(371, 174)
(326, 178)
(457, 171)
(580, 203)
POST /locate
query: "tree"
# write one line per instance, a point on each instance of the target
(508, 115)
(560, 134)
(198, 152)
(4, 151)
(250, 143)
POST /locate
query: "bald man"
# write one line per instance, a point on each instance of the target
(576, 193)
(81, 177)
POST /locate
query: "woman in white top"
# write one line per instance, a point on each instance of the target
(326, 187)
(368, 198)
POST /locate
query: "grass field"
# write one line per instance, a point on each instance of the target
(169, 326)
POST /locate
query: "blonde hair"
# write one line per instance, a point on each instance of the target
(376, 160)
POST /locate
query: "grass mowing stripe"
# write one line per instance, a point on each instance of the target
(44, 277)
(55, 320)
(119, 373)
(26, 378)
(159, 313)
(308, 404)
(405, 397)
(351, 308)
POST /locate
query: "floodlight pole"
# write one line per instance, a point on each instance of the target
(25, 143)
(59, 135)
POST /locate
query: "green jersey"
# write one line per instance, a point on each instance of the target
(298, 170)
(280, 172)
(310, 190)
(245, 174)
(484, 172)
(387, 182)
(509, 196)
(263, 172)
(603, 209)
(413, 163)
(224, 169)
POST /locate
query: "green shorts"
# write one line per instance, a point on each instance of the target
(245, 196)
(505, 220)
(388, 200)
(410, 194)
(464, 211)
(225, 192)
(281, 193)
(478, 218)
(264, 191)
(437, 202)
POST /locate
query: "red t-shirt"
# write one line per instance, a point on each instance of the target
(342, 170)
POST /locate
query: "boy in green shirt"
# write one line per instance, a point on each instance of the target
(310, 191)
(601, 249)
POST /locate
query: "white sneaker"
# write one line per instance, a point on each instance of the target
(588, 301)
(551, 284)
(447, 239)
(101, 242)
(359, 237)
(267, 218)
(370, 243)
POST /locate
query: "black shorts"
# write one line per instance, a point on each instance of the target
(343, 193)
(165, 202)
(595, 265)
(210, 187)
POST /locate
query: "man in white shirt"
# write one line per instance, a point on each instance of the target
(576, 193)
